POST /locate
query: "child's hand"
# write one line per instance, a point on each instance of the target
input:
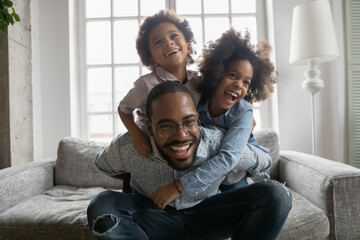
(164, 195)
(142, 144)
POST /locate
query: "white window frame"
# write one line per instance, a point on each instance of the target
(262, 33)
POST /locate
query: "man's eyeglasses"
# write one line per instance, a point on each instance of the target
(166, 130)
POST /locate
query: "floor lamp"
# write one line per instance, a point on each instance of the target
(313, 41)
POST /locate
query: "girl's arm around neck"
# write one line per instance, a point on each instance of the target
(226, 159)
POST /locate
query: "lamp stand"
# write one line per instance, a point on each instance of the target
(313, 84)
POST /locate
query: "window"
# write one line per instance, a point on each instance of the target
(109, 63)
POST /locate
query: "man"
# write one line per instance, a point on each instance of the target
(257, 211)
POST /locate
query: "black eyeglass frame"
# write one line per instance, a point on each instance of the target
(175, 126)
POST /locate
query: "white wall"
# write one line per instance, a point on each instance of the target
(294, 103)
(52, 75)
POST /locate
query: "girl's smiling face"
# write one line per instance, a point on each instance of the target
(233, 87)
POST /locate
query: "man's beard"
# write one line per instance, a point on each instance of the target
(168, 159)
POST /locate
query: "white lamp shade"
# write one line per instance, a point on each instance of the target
(313, 34)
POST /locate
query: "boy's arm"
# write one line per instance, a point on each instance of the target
(135, 98)
(141, 141)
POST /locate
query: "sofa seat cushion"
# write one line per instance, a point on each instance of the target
(59, 212)
(305, 221)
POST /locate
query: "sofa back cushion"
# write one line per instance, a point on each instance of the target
(269, 138)
(75, 165)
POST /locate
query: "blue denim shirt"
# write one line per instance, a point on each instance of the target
(238, 121)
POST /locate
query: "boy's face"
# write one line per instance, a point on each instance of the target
(168, 47)
(175, 111)
(232, 87)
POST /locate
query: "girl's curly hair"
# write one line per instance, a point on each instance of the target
(142, 41)
(233, 46)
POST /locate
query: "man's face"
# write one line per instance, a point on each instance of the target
(177, 147)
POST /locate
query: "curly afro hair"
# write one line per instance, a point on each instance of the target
(142, 41)
(233, 46)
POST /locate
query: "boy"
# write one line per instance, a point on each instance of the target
(164, 44)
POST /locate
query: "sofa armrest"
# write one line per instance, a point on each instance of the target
(332, 186)
(22, 182)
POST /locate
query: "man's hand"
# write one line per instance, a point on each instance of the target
(164, 195)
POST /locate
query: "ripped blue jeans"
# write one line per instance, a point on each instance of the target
(256, 211)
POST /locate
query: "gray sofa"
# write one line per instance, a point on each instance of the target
(48, 199)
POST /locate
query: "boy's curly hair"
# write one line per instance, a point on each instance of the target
(233, 46)
(142, 41)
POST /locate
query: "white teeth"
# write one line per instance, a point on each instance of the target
(233, 94)
(180, 148)
(172, 52)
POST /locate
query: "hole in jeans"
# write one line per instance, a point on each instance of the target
(104, 224)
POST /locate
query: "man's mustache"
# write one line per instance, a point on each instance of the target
(176, 142)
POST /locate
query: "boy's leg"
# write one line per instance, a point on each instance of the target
(116, 215)
(257, 211)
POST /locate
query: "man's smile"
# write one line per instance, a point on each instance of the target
(182, 151)
(180, 148)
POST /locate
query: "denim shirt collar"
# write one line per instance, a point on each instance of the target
(205, 108)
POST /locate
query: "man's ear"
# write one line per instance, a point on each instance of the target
(149, 128)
